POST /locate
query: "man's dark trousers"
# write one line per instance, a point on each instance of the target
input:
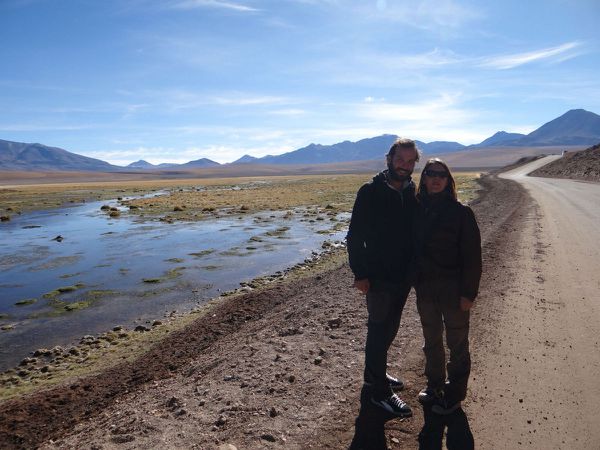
(385, 302)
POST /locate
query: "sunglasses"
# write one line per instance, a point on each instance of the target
(436, 173)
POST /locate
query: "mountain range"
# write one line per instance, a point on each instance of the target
(575, 127)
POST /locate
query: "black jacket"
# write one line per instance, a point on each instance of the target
(448, 243)
(380, 240)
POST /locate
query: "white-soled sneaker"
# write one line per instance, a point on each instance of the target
(394, 405)
(395, 383)
(429, 396)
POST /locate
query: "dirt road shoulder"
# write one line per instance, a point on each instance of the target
(279, 367)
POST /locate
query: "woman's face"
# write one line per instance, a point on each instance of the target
(436, 178)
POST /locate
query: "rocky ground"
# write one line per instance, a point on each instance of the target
(271, 368)
(582, 165)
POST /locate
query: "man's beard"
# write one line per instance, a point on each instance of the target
(398, 175)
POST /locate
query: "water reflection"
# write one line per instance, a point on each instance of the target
(111, 271)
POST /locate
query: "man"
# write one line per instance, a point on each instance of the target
(380, 250)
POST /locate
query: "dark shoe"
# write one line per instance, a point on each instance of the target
(443, 407)
(395, 383)
(394, 405)
(430, 395)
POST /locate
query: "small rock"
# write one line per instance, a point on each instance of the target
(268, 437)
(273, 412)
(58, 238)
(335, 322)
(141, 328)
(318, 360)
(174, 403)
(122, 438)
(291, 378)
(27, 361)
(395, 440)
(221, 421)
(227, 447)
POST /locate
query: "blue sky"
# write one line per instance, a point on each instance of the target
(177, 80)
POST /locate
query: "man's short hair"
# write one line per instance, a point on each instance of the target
(404, 143)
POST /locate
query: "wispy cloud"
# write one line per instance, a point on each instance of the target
(246, 100)
(426, 14)
(553, 54)
(36, 127)
(442, 109)
(434, 58)
(194, 4)
(288, 112)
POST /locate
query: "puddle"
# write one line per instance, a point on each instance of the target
(107, 271)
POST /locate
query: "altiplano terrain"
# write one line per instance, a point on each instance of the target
(282, 366)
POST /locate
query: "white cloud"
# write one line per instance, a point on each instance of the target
(556, 54)
(431, 59)
(193, 4)
(425, 14)
(37, 127)
(246, 100)
(441, 109)
(288, 112)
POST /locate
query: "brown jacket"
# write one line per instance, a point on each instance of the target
(448, 243)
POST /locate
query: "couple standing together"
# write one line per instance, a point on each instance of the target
(401, 236)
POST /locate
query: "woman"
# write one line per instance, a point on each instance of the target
(448, 272)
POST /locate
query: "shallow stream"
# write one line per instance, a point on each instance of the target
(74, 271)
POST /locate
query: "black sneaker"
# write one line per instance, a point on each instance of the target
(443, 407)
(395, 383)
(430, 395)
(394, 405)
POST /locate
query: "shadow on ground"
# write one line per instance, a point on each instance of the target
(369, 430)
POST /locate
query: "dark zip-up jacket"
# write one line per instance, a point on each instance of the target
(380, 238)
(448, 243)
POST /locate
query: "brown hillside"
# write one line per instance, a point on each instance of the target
(583, 165)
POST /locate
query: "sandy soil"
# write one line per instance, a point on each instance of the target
(535, 383)
(283, 367)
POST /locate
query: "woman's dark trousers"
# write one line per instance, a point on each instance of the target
(438, 303)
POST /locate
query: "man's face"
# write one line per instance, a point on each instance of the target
(402, 164)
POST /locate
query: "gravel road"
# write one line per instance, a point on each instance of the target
(536, 383)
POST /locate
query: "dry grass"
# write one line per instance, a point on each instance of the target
(193, 199)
